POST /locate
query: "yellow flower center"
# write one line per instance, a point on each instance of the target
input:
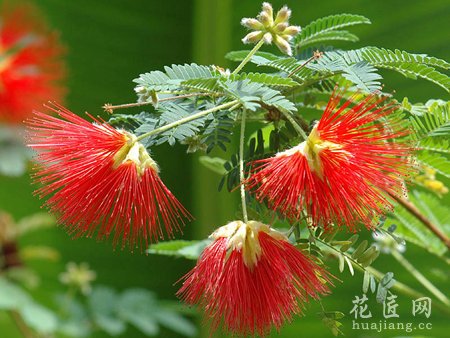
(135, 152)
(312, 148)
(244, 237)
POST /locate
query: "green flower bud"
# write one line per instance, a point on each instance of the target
(252, 24)
(267, 7)
(270, 30)
(283, 15)
(292, 31)
(279, 28)
(253, 37)
(265, 19)
(283, 45)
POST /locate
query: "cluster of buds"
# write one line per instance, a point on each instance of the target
(78, 276)
(268, 29)
(429, 181)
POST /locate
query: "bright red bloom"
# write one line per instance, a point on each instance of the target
(353, 159)
(101, 178)
(251, 278)
(30, 64)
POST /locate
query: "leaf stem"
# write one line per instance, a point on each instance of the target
(186, 119)
(110, 108)
(294, 123)
(248, 57)
(418, 214)
(23, 328)
(316, 55)
(241, 165)
(398, 286)
(421, 278)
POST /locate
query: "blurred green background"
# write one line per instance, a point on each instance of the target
(110, 42)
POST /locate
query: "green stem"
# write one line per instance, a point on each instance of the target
(398, 286)
(241, 165)
(248, 57)
(110, 108)
(404, 289)
(23, 328)
(294, 123)
(421, 278)
(412, 209)
(187, 119)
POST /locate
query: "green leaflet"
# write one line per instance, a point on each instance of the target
(328, 29)
(179, 248)
(172, 77)
(412, 230)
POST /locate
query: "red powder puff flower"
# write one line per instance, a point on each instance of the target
(251, 278)
(354, 157)
(30, 64)
(101, 178)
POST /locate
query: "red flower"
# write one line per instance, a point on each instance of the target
(354, 157)
(30, 65)
(101, 178)
(251, 278)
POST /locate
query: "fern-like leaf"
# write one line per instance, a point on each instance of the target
(330, 36)
(270, 80)
(439, 163)
(240, 55)
(218, 131)
(172, 77)
(412, 230)
(434, 121)
(324, 29)
(252, 95)
(206, 85)
(409, 65)
(433, 145)
(362, 74)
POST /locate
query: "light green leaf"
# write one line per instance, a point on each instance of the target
(175, 322)
(179, 248)
(102, 303)
(412, 230)
(214, 164)
(11, 296)
(39, 318)
(172, 77)
(242, 54)
(138, 307)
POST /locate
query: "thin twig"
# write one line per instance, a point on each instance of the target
(421, 217)
(248, 57)
(241, 166)
(398, 286)
(110, 108)
(187, 119)
(316, 55)
(420, 277)
(23, 328)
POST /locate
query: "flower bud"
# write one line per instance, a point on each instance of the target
(292, 31)
(252, 23)
(283, 45)
(265, 19)
(253, 37)
(283, 15)
(267, 7)
(268, 38)
(279, 28)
